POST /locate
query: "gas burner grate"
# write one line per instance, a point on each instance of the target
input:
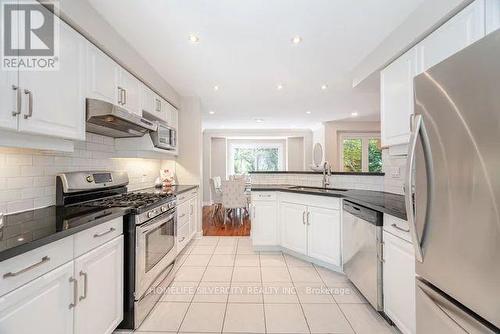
(136, 200)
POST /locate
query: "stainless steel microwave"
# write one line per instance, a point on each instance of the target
(165, 137)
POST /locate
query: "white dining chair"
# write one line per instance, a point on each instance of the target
(234, 197)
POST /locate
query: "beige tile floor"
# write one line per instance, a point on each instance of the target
(223, 286)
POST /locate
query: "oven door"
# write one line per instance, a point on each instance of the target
(156, 250)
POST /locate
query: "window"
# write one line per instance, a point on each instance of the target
(361, 153)
(246, 158)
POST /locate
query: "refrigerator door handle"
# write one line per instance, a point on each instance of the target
(410, 205)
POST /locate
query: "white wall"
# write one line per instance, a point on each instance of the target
(83, 17)
(218, 158)
(295, 153)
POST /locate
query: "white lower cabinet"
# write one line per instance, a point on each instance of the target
(187, 218)
(100, 299)
(82, 296)
(323, 234)
(293, 227)
(264, 231)
(193, 215)
(41, 306)
(399, 282)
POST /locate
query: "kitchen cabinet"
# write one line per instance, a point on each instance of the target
(396, 89)
(40, 306)
(128, 91)
(456, 34)
(396, 80)
(264, 216)
(492, 15)
(153, 104)
(293, 227)
(101, 275)
(323, 234)
(102, 75)
(49, 102)
(172, 115)
(399, 282)
(193, 215)
(83, 295)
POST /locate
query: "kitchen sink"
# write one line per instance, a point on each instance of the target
(318, 189)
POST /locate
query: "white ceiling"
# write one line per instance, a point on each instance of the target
(245, 48)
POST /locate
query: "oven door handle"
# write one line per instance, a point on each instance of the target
(155, 222)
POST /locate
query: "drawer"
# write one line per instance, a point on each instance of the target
(186, 195)
(26, 267)
(263, 196)
(397, 227)
(98, 235)
(182, 236)
(183, 212)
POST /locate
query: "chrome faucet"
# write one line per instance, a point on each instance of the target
(327, 171)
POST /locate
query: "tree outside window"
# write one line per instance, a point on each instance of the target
(247, 158)
(361, 153)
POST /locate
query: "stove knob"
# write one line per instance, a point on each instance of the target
(151, 214)
(163, 208)
(90, 179)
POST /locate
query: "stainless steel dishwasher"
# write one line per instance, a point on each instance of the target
(362, 251)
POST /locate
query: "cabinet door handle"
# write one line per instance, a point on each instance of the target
(30, 104)
(182, 216)
(192, 211)
(17, 111)
(97, 235)
(308, 216)
(85, 285)
(120, 95)
(124, 97)
(183, 238)
(304, 217)
(22, 271)
(399, 228)
(75, 292)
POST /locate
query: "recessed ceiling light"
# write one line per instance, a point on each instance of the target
(194, 38)
(279, 86)
(296, 40)
(308, 112)
(259, 120)
(324, 87)
(216, 87)
(211, 112)
(354, 114)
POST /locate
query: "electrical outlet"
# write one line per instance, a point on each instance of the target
(395, 172)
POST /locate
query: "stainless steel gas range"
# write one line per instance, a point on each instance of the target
(149, 228)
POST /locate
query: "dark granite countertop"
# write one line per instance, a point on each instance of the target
(28, 230)
(377, 200)
(319, 172)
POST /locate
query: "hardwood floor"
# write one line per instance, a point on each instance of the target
(215, 226)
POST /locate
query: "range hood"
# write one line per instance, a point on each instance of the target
(110, 120)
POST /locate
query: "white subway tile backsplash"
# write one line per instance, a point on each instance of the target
(27, 177)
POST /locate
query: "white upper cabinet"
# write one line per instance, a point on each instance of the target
(294, 228)
(324, 235)
(456, 34)
(40, 306)
(396, 80)
(102, 75)
(129, 92)
(100, 273)
(492, 15)
(9, 99)
(396, 89)
(147, 99)
(53, 102)
(399, 282)
(171, 114)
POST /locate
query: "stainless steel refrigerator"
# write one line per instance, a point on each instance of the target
(453, 192)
